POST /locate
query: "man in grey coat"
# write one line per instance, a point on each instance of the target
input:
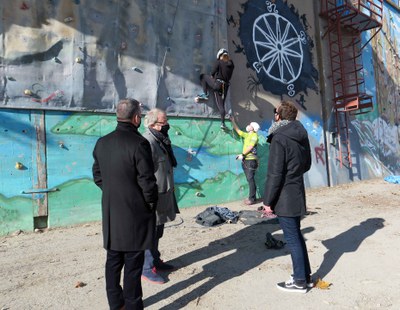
(124, 172)
(164, 161)
(289, 158)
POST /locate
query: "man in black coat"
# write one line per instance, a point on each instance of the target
(289, 158)
(124, 170)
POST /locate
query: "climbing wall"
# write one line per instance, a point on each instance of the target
(86, 55)
(207, 171)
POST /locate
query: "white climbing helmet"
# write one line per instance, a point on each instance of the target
(221, 52)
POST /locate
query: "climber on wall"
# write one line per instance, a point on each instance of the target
(218, 82)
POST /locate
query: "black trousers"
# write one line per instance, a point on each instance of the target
(131, 295)
(220, 92)
(249, 168)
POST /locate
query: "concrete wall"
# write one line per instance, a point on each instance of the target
(293, 75)
(45, 150)
(85, 55)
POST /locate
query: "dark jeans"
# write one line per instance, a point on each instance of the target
(207, 81)
(297, 247)
(131, 295)
(249, 168)
(152, 256)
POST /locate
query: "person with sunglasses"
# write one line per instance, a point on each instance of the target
(284, 194)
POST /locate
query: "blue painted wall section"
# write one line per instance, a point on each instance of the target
(376, 140)
(207, 171)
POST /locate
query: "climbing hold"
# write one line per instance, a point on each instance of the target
(78, 60)
(19, 166)
(198, 194)
(57, 60)
(10, 78)
(61, 145)
(68, 19)
(124, 45)
(137, 69)
(24, 6)
(28, 92)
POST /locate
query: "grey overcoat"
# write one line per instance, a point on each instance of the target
(167, 206)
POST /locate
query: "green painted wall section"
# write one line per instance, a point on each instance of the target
(16, 213)
(185, 133)
(78, 200)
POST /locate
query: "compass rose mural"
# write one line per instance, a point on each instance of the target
(277, 47)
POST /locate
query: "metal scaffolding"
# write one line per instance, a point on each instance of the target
(347, 19)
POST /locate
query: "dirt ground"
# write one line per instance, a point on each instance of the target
(352, 233)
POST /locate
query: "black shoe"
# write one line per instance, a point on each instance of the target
(272, 243)
(309, 281)
(292, 286)
(164, 266)
(223, 126)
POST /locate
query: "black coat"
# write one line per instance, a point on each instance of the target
(289, 159)
(223, 70)
(123, 169)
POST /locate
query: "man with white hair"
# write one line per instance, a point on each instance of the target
(249, 156)
(164, 160)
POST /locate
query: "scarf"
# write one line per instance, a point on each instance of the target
(275, 126)
(166, 142)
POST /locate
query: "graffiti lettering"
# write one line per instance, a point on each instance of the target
(319, 152)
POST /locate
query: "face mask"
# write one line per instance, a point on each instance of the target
(248, 128)
(164, 129)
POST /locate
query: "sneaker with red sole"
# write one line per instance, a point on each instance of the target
(152, 276)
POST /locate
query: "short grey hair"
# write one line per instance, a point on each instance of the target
(127, 108)
(152, 117)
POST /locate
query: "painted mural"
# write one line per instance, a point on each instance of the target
(379, 132)
(207, 171)
(60, 58)
(276, 41)
(278, 48)
(86, 55)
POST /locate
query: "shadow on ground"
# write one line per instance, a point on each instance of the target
(238, 247)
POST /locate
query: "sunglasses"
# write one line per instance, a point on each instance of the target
(275, 111)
